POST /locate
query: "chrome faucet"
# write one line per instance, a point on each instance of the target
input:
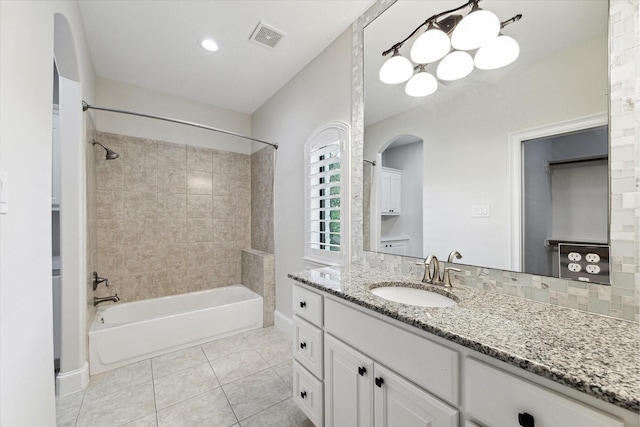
(96, 280)
(114, 298)
(430, 275)
(454, 255)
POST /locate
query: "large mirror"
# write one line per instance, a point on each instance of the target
(485, 164)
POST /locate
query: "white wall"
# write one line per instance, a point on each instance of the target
(407, 158)
(121, 96)
(26, 88)
(321, 92)
(466, 142)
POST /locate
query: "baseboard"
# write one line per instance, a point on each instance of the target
(73, 381)
(283, 322)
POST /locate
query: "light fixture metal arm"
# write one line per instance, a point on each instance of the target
(425, 23)
(511, 21)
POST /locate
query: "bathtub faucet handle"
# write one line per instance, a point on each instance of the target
(97, 280)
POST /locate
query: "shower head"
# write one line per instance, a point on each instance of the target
(110, 153)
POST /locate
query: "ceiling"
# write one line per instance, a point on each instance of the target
(154, 44)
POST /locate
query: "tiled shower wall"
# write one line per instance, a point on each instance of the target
(262, 199)
(170, 218)
(622, 299)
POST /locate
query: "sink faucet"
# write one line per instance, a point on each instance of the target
(114, 298)
(431, 275)
(454, 255)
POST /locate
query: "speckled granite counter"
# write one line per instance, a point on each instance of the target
(596, 355)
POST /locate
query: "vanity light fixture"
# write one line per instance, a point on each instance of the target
(480, 29)
(209, 44)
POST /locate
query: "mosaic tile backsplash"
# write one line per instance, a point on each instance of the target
(171, 218)
(622, 299)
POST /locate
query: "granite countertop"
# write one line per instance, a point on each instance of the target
(595, 354)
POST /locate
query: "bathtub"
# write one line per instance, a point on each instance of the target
(129, 332)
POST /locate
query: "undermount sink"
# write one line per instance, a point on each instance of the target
(412, 296)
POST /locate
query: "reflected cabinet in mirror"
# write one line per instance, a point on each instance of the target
(504, 165)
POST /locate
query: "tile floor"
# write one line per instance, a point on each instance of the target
(241, 381)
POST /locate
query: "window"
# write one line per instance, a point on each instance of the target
(326, 160)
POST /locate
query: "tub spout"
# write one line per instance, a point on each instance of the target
(113, 298)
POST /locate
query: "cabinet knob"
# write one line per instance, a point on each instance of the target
(303, 394)
(303, 345)
(303, 304)
(526, 420)
(379, 381)
(362, 370)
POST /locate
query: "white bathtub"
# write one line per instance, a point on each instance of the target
(129, 332)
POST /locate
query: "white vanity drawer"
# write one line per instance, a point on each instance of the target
(428, 364)
(307, 346)
(497, 398)
(308, 394)
(307, 304)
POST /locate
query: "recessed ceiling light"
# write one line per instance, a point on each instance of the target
(209, 45)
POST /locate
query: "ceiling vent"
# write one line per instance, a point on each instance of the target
(267, 36)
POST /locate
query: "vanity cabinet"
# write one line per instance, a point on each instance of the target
(390, 191)
(394, 246)
(497, 398)
(379, 372)
(308, 349)
(359, 391)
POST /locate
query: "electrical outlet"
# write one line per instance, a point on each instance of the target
(574, 267)
(574, 256)
(591, 257)
(592, 269)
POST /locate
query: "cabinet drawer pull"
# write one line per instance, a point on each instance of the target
(379, 381)
(362, 370)
(526, 420)
(303, 345)
(303, 304)
(303, 394)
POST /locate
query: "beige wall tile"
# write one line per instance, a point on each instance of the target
(171, 180)
(109, 175)
(199, 182)
(200, 230)
(223, 184)
(199, 159)
(224, 207)
(110, 205)
(140, 259)
(110, 261)
(140, 232)
(173, 156)
(140, 151)
(200, 255)
(139, 205)
(110, 233)
(172, 256)
(140, 178)
(172, 206)
(160, 207)
(199, 206)
(172, 231)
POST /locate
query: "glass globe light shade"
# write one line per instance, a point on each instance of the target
(421, 84)
(475, 29)
(396, 69)
(455, 66)
(432, 45)
(497, 53)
